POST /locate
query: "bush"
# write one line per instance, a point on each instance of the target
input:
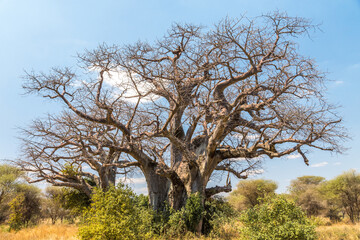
(277, 218)
(217, 213)
(188, 218)
(74, 201)
(114, 214)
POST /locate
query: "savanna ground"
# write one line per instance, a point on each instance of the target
(340, 231)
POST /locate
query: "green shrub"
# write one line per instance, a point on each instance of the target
(188, 218)
(74, 201)
(114, 214)
(17, 208)
(277, 218)
(217, 213)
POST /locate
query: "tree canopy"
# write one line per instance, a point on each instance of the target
(250, 193)
(195, 102)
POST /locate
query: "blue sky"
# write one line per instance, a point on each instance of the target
(41, 34)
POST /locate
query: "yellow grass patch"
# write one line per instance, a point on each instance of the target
(43, 232)
(228, 231)
(339, 232)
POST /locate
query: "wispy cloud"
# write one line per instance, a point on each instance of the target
(294, 156)
(339, 82)
(322, 164)
(337, 163)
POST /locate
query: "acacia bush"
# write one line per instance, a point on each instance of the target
(343, 196)
(114, 214)
(277, 219)
(306, 193)
(250, 193)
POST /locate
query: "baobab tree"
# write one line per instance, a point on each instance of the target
(67, 151)
(199, 101)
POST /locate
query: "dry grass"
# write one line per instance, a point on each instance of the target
(42, 232)
(228, 231)
(339, 232)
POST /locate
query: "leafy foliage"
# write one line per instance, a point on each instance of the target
(114, 215)
(74, 200)
(25, 207)
(277, 218)
(305, 191)
(344, 192)
(53, 206)
(217, 213)
(188, 218)
(9, 180)
(249, 193)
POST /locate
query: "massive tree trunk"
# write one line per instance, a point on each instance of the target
(194, 182)
(158, 188)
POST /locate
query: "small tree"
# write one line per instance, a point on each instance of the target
(301, 184)
(249, 193)
(52, 205)
(25, 207)
(9, 180)
(345, 191)
(277, 219)
(305, 191)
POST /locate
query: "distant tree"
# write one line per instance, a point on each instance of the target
(25, 207)
(344, 190)
(249, 193)
(52, 205)
(305, 191)
(301, 184)
(10, 178)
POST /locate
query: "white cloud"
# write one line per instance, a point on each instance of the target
(339, 82)
(255, 172)
(293, 156)
(259, 158)
(322, 164)
(129, 85)
(337, 163)
(132, 180)
(142, 190)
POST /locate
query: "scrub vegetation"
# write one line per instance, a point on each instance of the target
(252, 211)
